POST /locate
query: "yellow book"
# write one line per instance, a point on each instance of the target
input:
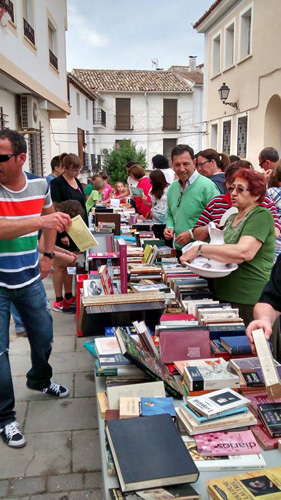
(264, 484)
(81, 235)
(103, 403)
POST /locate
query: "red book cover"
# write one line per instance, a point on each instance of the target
(177, 317)
(180, 345)
(264, 439)
(123, 266)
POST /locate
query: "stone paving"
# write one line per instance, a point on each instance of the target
(61, 460)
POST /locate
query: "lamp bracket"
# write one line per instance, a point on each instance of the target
(233, 104)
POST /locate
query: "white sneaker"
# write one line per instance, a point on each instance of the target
(12, 436)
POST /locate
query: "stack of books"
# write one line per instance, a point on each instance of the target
(209, 375)
(249, 371)
(219, 410)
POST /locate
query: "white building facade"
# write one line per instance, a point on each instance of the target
(154, 109)
(241, 50)
(33, 85)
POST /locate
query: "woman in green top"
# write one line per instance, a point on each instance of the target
(249, 241)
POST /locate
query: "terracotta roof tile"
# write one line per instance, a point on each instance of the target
(202, 18)
(130, 80)
(196, 77)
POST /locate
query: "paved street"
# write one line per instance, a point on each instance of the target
(61, 460)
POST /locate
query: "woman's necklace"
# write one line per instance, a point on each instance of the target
(238, 217)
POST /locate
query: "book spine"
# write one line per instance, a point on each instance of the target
(234, 351)
(123, 267)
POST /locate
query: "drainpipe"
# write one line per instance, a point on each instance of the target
(147, 128)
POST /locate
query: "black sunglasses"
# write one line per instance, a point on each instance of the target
(4, 158)
(179, 200)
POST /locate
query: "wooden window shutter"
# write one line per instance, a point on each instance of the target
(170, 114)
(123, 114)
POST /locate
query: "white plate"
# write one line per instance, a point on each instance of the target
(206, 272)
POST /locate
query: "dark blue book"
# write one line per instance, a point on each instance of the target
(236, 344)
(157, 406)
(149, 453)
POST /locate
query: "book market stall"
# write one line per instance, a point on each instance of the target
(182, 402)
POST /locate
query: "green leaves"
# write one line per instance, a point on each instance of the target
(116, 160)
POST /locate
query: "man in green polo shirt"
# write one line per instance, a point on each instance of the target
(187, 197)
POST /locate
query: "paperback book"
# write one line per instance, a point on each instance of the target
(217, 402)
(157, 406)
(220, 463)
(227, 443)
(270, 415)
(209, 374)
(265, 485)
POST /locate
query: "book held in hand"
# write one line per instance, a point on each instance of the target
(149, 453)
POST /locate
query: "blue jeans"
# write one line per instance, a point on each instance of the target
(17, 319)
(33, 307)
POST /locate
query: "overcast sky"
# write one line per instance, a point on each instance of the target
(128, 34)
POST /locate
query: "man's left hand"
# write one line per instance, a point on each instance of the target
(45, 265)
(183, 238)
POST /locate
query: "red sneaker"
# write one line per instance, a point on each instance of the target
(63, 307)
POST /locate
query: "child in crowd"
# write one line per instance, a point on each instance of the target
(120, 192)
(89, 188)
(106, 192)
(96, 194)
(158, 196)
(63, 259)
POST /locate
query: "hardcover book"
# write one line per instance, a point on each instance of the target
(236, 344)
(265, 485)
(264, 439)
(217, 402)
(227, 443)
(258, 399)
(190, 344)
(154, 454)
(209, 374)
(129, 407)
(148, 363)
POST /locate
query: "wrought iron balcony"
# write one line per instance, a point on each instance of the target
(9, 7)
(28, 31)
(53, 59)
(171, 122)
(99, 117)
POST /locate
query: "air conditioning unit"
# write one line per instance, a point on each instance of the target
(29, 112)
(104, 151)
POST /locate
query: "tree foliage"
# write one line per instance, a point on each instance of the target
(115, 161)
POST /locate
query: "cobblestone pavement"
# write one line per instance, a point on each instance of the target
(61, 460)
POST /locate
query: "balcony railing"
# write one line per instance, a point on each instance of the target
(53, 59)
(171, 122)
(9, 7)
(28, 31)
(99, 117)
(124, 122)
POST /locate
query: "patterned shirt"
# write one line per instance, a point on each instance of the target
(19, 256)
(214, 211)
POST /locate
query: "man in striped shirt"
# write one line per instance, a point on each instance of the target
(25, 208)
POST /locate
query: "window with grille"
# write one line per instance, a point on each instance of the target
(3, 119)
(9, 7)
(226, 137)
(36, 153)
(242, 137)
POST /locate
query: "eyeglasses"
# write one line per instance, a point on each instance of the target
(4, 158)
(202, 163)
(239, 189)
(179, 200)
(262, 162)
(74, 169)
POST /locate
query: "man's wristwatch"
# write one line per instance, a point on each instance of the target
(51, 255)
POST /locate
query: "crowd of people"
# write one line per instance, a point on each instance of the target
(179, 200)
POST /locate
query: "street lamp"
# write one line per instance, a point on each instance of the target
(224, 93)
